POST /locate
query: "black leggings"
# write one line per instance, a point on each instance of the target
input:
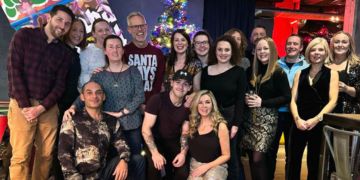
(257, 161)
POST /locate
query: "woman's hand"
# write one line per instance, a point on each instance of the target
(233, 131)
(301, 124)
(311, 123)
(253, 101)
(199, 171)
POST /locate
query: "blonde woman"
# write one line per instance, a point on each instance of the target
(314, 92)
(346, 63)
(208, 131)
(270, 91)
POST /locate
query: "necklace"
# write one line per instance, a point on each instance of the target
(116, 77)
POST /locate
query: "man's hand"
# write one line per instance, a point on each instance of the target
(159, 160)
(121, 170)
(69, 113)
(32, 113)
(233, 131)
(179, 160)
(199, 171)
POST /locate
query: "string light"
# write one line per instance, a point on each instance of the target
(174, 17)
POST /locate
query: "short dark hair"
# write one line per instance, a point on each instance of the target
(63, 8)
(112, 36)
(296, 35)
(91, 81)
(97, 21)
(260, 26)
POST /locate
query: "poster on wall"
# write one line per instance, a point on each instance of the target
(22, 13)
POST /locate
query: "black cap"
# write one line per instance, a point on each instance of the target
(183, 74)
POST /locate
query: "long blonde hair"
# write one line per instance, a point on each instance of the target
(272, 64)
(195, 118)
(351, 56)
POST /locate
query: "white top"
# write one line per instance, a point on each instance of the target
(91, 58)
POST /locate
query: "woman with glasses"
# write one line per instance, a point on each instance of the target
(201, 46)
(180, 58)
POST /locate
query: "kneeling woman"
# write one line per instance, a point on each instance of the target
(208, 131)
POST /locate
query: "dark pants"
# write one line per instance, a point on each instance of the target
(298, 140)
(134, 140)
(284, 123)
(135, 166)
(168, 148)
(235, 168)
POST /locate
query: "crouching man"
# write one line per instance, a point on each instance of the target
(91, 145)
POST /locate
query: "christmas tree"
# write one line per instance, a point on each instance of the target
(174, 17)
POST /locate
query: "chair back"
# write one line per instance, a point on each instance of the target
(344, 148)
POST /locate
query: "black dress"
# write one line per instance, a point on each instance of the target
(260, 128)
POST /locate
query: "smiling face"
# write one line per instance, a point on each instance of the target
(114, 50)
(205, 105)
(317, 54)
(101, 30)
(263, 51)
(293, 47)
(76, 34)
(59, 24)
(341, 44)
(201, 45)
(223, 52)
(257, 33)
(180, 43)
(180, 87)
(137, 27)
(92, 95)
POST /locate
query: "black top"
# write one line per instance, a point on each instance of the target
(71, 92)
(169, 118)
(229, 90)
(274, 92)
(311, 99)
(204, 148)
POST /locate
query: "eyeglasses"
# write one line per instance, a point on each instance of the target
(140, 26)
(201, 43)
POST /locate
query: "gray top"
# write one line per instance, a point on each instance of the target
(129, 94)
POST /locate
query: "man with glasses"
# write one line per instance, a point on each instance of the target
(165, 130)
(148, 59)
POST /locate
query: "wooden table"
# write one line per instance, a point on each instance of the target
(342, 121)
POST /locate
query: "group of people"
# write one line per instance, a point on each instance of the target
(193, 112)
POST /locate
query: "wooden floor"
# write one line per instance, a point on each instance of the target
(280, 166)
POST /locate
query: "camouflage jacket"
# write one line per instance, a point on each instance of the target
(84, 144)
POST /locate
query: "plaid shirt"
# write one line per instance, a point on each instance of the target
(36, 69)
